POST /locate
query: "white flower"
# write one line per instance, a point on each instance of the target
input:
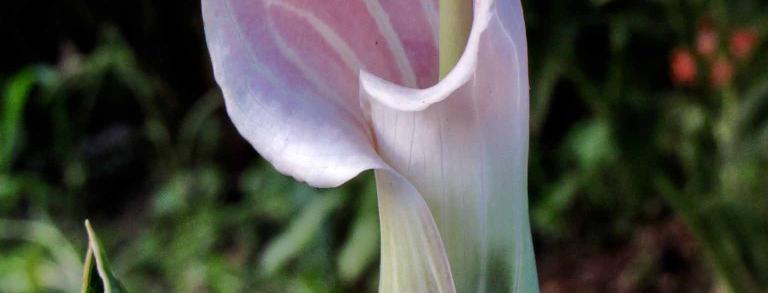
(327, 89)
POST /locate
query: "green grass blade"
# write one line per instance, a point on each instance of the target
(97, 276)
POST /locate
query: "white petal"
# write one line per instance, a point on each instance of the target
(291, 89)
(412, 255)
(466, 154)
(411, 99)
(290, 115)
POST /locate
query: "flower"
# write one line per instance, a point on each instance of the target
(743, 41)
(683, 67)
(706, 40)
(325, 90)
(722, 72)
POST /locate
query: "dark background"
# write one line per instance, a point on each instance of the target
(648, 165)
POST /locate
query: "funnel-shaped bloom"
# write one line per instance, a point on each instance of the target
(327, 89)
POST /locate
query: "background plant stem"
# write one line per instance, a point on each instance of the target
(455, 23)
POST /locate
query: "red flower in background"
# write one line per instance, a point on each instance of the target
(742, 42)
(722, 72)
(706, 40)
(683, 67)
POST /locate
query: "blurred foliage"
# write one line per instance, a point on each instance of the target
(645, 138)
(648, 159)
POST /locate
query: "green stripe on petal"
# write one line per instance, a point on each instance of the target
(412, 255)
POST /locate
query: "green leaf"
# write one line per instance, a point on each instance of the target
(44, 249)
(97, 277)
(549, 213)
(197, 136)
(548, 73)
(592, 144)
(300, 232)
(14, 99)
(362, 247)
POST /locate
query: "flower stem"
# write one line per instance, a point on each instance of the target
(455, 24)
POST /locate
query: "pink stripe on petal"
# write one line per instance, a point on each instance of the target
(417, 36)
(319, 62)
(352, 20)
